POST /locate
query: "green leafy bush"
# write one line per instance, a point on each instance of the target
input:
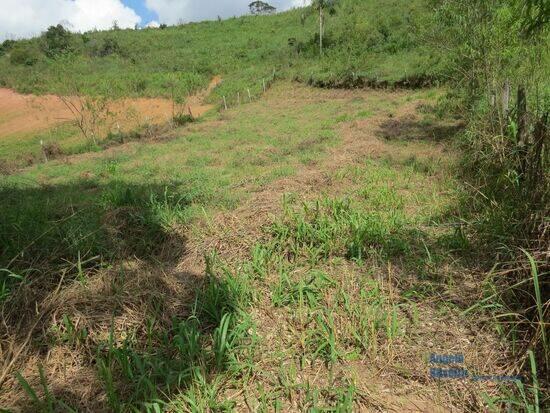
(6, 46)
(109, 46)
(24, 54)
(56, 40)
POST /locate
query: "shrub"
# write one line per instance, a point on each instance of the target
(52, 150)
(108, 47)
(6, 46)
(56, 40)
(24, 55)
(182, 119)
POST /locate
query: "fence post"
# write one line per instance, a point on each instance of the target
(224, 103)
(522, 134)
(249, 95)
(239, 97)
(263, 81)
(43, 150)
(505, 98)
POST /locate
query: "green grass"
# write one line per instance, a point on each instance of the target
(379, 41)
(338, 286)
(18, 145)
(63, 209)
(310, 293)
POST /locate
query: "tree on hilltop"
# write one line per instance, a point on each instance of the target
(261, 7)
(322, 6)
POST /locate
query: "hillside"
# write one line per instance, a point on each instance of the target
(219, 217)
(374, 40)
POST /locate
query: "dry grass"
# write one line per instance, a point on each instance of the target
(390, 373)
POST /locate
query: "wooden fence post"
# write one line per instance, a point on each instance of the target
(505, 98)
(522, 134)
(224, 103)
(43, 150)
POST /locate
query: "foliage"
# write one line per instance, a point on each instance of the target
(261, 7)
(6, 46)
(56, 41)
(498, 64)
(24, 54)
(535, 15)
(109, 46)
(367, 40)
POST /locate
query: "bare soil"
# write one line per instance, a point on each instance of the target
(22, 114)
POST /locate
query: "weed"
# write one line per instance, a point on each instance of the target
(182, 119)
(371, 317)
(341, 399)
(221, 295)
(334, 227)
(321, 340)
(69, 333)
(305, 291)
(7, 280)
(49, 403)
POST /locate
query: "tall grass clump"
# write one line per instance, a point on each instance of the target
(336, 227)
(498, 67)
(186, 355)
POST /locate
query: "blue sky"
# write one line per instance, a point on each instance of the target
(141, 9)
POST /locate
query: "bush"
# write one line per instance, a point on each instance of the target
(108, 47)
(182, 119)
(56, 40)
(24, 55)
(6, 46)
(52, 150)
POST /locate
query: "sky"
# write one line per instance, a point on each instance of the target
(28, 18)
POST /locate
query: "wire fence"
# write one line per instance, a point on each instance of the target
(246, 96)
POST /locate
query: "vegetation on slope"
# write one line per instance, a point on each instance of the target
(364, 39)
(287, 311)
(498, 62)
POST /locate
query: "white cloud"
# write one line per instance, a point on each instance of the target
(26, 18)
(174, 11)
(153, 24)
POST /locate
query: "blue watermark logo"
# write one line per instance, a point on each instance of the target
(459, 372)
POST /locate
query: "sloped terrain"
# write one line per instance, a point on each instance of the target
(309, 264)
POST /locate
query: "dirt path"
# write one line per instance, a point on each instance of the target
(195, 104)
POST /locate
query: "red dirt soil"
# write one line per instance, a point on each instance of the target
(27, 113)
(22, 114)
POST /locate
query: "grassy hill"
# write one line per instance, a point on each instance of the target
(309, 250)
(373, 40)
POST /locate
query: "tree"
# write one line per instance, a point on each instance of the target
(322, 6)
(56, 41)
(261, 7)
